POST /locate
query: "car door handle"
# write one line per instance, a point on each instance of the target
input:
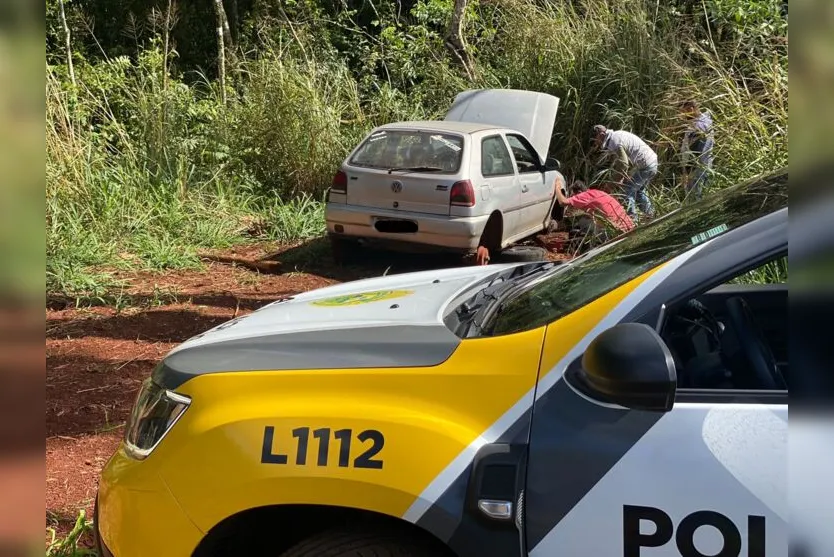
(524, 188)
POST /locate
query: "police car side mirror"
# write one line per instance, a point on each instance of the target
(629, 365)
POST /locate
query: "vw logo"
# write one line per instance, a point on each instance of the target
(396, 186)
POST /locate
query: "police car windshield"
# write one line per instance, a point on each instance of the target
(567, 288)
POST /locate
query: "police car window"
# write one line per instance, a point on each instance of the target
(702, 338)
(565, 290)
(772, 272)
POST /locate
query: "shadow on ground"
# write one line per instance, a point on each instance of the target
(315, 257)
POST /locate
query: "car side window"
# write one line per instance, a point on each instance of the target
(733, 337)
(526, 158)
(772, 272)
(495, 158)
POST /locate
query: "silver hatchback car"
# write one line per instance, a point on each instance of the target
(479, 177)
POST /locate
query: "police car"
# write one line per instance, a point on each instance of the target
(631, 402)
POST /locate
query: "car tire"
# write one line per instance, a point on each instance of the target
(492, 234)
(340, 543)
(343, 250)
(521, 254)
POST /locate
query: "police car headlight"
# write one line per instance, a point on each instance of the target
(154, 414)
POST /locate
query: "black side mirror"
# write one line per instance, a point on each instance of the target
(552, 163)
(628, 365)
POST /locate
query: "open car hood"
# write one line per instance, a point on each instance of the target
(531, 113)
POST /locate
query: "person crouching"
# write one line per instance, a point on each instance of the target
(603, 217)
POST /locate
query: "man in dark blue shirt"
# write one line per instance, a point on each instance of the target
(698, 141)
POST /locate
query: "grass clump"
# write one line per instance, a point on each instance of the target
(71, 544)
(134, 184)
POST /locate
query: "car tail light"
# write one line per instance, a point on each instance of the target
(154, 414)
(462, 194)
(339, 182)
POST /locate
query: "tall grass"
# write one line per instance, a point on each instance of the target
(628, 67)
(140, 177)
(143, 171)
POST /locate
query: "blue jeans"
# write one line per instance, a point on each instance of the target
(635, 191)
(698, 179)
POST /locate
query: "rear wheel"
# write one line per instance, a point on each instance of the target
(344, 250)
(522, 254)
(340, 543)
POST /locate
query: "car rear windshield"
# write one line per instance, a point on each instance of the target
(433, 151)
(644, 248)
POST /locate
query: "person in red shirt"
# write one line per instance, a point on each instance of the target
(603, 213)
(596, 203)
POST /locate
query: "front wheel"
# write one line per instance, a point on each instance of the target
(340, 543)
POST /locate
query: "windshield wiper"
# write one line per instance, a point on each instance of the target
(415, 169)
(467, 311)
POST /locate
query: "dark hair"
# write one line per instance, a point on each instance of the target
(578, 186)
(689, 104)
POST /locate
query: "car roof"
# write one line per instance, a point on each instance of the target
(440, 125)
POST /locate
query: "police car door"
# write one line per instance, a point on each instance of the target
(706, 478)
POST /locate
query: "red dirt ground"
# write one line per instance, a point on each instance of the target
(97, 357)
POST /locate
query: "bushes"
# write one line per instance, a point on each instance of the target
(287, 126)
(146, 166)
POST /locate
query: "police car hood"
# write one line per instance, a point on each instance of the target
(391, 321)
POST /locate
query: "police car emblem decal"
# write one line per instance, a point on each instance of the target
(362, 298)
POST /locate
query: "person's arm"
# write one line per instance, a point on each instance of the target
(621, 165)
(559, 184)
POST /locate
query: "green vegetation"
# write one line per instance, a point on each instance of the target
(71, 545)
(150, 159)
(774, 272)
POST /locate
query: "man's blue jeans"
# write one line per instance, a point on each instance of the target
(635, 191)
(698, 179)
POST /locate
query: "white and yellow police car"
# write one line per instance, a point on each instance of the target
(631, 402)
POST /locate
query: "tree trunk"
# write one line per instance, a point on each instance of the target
(454, 37)
(234, 21)
(165, 51)
(227, 32)
(224, 39)
(68, 41)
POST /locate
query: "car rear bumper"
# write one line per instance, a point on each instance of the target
(136, 514)
(458, 233)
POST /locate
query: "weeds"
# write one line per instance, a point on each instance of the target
(69, 545)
